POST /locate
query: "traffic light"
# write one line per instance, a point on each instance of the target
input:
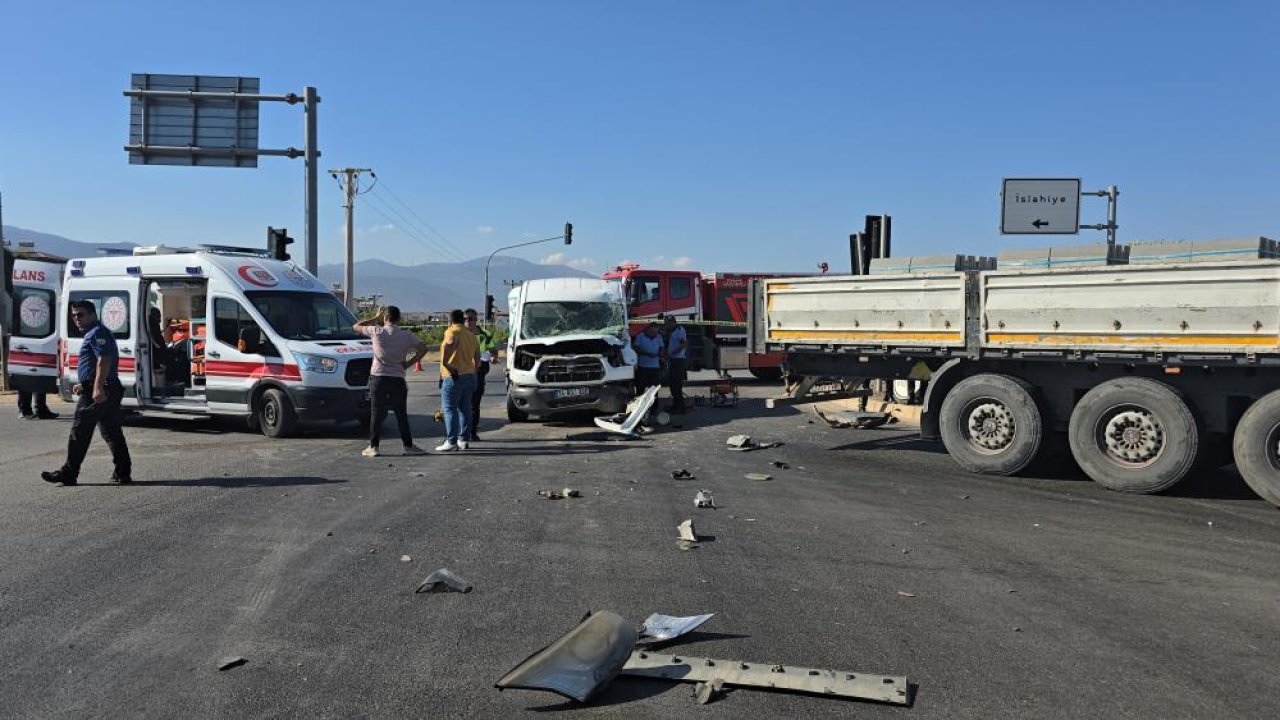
(488, 308)
(879, 228)
(568, 233)
(278, 242)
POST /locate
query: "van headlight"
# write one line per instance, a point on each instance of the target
(316, 363)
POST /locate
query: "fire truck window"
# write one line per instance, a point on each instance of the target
(681, 288)
(644, 289)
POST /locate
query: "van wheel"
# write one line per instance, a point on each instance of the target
(1257, 447)
(515, 414)
(276, 414)
(991, 424)
(1134, 435)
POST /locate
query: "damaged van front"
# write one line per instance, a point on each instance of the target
(568, 349)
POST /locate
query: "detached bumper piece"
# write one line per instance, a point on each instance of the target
(581, 662)
(879, 688)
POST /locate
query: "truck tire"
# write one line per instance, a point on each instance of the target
(276, 415)
(991, 424)
(1257, 447)
(767, 374)
(1134, 435)
(515, 414)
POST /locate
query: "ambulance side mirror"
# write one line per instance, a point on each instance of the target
(250, 340)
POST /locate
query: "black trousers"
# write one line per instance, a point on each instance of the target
(24, 402)
(105, 416)
(481, 374)
(385, 394)
(646, 378)
(677, 371)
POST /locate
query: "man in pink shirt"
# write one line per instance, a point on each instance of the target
(394, 350)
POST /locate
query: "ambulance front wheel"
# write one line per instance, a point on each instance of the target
(276, 415)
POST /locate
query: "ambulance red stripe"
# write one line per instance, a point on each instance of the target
(231, 368)
(17, 357)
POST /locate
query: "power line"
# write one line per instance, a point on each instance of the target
(407, 227)
(406, 206)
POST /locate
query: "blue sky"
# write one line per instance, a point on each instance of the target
(713, 135)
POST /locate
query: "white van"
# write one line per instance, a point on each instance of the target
(569, 348)
(33, 339)
(223, 332)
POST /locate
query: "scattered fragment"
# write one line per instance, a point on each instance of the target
(1017, 629)
(1210, 523)
(781, 465)
(405, 558)
(708, 691)
(570, 493)
(329, 534)
(227, 663)
(628, 423)
(744, 443)
(1012, 590)
(704, 499)
(906, 551)
(417, 474)
(738, 441)
(580, 662)
(683, 474)
(864, 686)
(964, 497)
(855, 419)
(902, 593)
(660, 628)
(686, 545)
(551, 494)
(687, 533)
(758, 476)
(443, 580)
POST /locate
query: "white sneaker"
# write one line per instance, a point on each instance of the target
(446, 447)
(464, 444)
(370, 451)
(414, 450)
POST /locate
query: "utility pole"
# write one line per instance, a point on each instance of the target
(351, 187)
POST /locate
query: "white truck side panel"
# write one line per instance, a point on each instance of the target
(898, 310)
(1230, 307)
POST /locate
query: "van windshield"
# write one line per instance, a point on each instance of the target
(304, 315)
(553, 319)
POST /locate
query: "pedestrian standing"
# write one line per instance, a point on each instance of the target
(41, 410)
(99, 394)
(677, 363)
(394, 350)
(648, 346)
(459, 359)
(484, 339)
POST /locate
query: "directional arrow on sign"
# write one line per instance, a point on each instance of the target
(1040, 223)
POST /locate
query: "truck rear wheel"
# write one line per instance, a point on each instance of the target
(1257, 447)
(515, 414)
(991, 424)
(276, 415)
(1134, 435)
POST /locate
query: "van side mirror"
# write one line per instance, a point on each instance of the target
(250, 340)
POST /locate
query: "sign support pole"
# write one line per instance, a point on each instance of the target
(312, 154)
(1112, 194)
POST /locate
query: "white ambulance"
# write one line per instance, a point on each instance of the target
(222, 332)
(33, 339)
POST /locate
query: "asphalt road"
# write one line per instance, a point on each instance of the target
(1046, 597)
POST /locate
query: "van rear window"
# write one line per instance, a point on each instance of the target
(33, 311)
(113, 312)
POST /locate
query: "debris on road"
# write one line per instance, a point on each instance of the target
(708, 691)
(580, 662)
(687, 533)
(746, 443)
(227, 663)
(704, 499)
(417, 474)
(758, 476)
(551, 494)
(781, 465)
(902, 593)
(682, 474)
(405, 558)
(862, 686)
(570, 493)
(843, 419)
(661, 628)
(628, 422)
(443, 580)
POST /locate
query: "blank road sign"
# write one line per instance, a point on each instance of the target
(216, 126)
(1040, 206)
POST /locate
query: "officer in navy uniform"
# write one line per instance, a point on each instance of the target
(100, 393)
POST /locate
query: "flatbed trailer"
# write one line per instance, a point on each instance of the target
(1145, 363)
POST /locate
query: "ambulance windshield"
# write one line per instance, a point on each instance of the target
(305, 315)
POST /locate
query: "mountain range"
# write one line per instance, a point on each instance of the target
(426, 287)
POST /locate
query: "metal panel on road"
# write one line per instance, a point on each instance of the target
(1040, 206)
(213, 125)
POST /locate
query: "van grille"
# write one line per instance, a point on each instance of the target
(568, 370)
(358, 372)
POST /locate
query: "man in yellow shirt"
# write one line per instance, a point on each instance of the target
(459, 360)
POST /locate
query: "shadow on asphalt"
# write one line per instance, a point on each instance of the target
(889, 440)
(621, 691)
(241, 482)
(1222, 483)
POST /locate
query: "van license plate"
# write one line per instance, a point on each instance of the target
(569, 392)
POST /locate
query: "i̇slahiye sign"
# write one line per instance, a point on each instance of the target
(1040, 206)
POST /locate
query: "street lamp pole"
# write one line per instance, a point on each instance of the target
(567, 236)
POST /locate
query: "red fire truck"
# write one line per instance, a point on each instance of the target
(713, 309)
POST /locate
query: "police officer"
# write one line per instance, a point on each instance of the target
(100, 393)
(677, 363)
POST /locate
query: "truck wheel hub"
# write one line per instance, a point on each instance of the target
(991, 426)
(1134, 436)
